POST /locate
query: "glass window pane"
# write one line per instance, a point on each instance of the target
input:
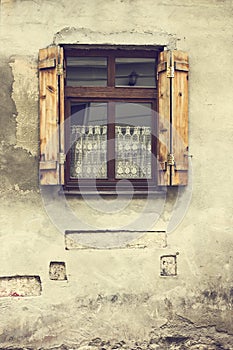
(88, 148)
(133, 140)
(86, 71)
(135, 72)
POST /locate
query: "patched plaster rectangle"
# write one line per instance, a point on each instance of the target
(112, 239)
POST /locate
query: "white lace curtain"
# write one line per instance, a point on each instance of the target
(89, 152)
(133, 152)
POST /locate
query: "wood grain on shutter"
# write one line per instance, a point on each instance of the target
(163, 133)
(49, 115)
(173, 118)
(180, 118)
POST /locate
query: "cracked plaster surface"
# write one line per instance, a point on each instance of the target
(76, 35)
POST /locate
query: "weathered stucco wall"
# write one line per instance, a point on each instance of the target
(116, 298)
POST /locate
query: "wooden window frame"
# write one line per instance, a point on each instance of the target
(110, 94)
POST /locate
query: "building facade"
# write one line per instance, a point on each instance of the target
(118, 270)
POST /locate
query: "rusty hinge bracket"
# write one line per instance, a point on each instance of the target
(60, 69)
(171, 159)
(61, 158)
(170, 72)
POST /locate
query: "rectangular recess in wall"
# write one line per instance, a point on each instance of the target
(57, 271)
(20, 286)
(114, 239)
(168, 265)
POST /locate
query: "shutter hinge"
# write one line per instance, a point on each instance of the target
(170, 72)
(171, 159)
(60, 69)
(61, 158)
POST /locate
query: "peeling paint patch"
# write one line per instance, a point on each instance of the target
(19, 169)
(25, 96)
(7, 107)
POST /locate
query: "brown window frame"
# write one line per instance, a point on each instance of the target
(110, 94)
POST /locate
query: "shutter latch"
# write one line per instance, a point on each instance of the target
(169, 162)
(171, 159)
(61, 158)
(170, 65)
(60, 69)
(170, 72)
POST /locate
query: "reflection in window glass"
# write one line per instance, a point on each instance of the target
(135, 72)
(86, 71)
(133, 141)
(88, 148)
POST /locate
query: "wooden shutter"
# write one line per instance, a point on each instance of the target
(172, 147)
(51, 85)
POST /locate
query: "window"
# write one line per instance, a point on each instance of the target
(113, 117)
(110, 99)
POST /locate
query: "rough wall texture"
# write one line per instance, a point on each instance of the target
(117, 298)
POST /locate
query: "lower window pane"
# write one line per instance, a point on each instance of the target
(88, 149)
(133, 141)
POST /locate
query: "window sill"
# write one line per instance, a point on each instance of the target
(113, 193)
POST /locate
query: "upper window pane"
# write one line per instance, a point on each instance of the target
(135, 72)
(86, 71)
